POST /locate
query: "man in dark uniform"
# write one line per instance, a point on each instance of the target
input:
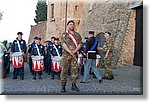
(47, 57)
(15, 48)
(54, 53)
(29, 51)
(34, 52)
(52, 39)
(84, 44)
(91, 51)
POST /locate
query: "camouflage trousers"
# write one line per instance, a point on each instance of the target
(68, 61)
(107, 65)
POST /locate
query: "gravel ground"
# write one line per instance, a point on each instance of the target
(128, 80)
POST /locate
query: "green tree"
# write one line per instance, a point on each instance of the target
(4, 42)
(41, 11)
(1, 15)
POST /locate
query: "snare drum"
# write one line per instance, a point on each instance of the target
(37, 63)
(56, 64)
(17, 60)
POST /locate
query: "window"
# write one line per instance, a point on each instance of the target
(76, 8)
(52, 11)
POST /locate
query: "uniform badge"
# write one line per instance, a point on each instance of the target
(21, 42)
(41, 47)
(63, 35)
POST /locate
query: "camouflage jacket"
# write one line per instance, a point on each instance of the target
(65, 38)
(107, 46)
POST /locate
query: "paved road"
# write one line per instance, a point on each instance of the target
(128, 80)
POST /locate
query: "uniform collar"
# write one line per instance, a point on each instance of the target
(18, 39)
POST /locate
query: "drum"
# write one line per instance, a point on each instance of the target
(17, 60)
(37, 63)
(56, 64)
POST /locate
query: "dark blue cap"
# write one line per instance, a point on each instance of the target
(108, 33)
(35, 37)
(86, 37)
(56, 38)
(19, 33)
(91, 32)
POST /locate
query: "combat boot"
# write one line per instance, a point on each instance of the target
(63, 88)
(74, 87)
(111, 77)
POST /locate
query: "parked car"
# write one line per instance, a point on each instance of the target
(4, 61)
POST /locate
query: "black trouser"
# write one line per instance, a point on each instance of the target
(82, 70)
(35, 72)
(30, 64)
(55, 73)
(19, 71)
(48, 66)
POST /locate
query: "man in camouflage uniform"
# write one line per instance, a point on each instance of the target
(107, 49)
(69, 56)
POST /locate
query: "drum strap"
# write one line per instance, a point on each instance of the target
(19, 46)
(56, 50)
(73, 39)
(38, 50)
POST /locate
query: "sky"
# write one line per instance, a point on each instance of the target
(18, 15)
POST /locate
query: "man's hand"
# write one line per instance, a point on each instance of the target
(11, 54)
(106, 56)
(99, 48)
(74, 52)
(71, 53)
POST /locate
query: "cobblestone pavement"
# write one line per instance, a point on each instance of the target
(128, 80)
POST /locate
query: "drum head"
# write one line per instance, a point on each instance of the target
(37, 57)
(56, 58)
(16, 54)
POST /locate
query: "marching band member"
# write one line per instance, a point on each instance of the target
(37, 50)
(19, 45)
(47, 57)
(29, 51)
(56, 51)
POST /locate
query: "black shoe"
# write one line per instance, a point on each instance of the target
(100, 81)
(83, 82)
(52, 77)
(105, 77)
(22, 78)
(14, 78)
(63, 88)
(74, 87)
(111, 77)
(34, 78)
(94, 76)
(40, 78)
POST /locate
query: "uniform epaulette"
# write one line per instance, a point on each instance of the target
(63, 35)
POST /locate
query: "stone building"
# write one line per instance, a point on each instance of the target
(38, 30)
(117, 16)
